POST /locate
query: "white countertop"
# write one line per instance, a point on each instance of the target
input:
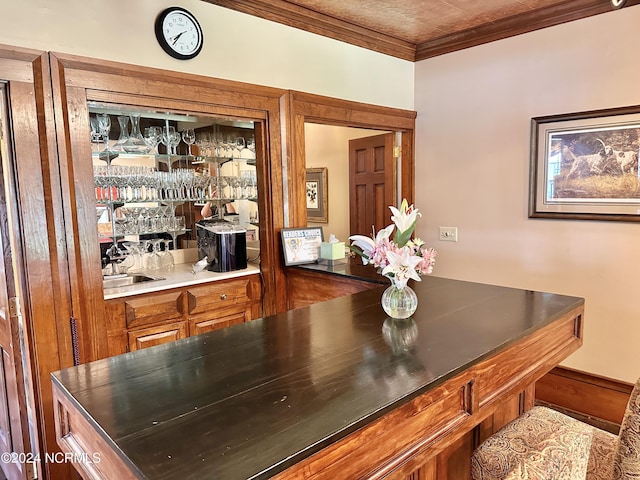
(180, 276)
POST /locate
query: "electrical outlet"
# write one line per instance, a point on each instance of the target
(449, 234)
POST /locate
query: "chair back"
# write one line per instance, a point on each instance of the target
(626, 465)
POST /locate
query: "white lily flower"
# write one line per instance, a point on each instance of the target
(402, 266)
(368, 245)
(384, 234)
(364, 243)
(405, 217)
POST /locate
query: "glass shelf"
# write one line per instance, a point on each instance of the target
(165, 158)
(154, 232)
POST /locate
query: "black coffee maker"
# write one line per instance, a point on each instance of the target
(223, 243)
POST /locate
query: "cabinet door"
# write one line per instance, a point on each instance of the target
(205, 323)
(149, 337)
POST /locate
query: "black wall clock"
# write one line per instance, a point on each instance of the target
(179, 33)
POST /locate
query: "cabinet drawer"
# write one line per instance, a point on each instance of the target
(205, 324)
(152, 336)
(153, 309)
(219, 295)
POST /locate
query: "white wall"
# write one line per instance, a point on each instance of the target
(474, 112)
(236, 47)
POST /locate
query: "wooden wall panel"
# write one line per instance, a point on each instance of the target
(585, 394)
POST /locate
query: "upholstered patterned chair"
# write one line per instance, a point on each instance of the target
(543, 444)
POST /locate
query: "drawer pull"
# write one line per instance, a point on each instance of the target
(223, 296)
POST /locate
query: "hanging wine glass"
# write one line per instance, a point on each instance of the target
(189, 136)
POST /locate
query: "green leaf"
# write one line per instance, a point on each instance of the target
(401, 238)
(357, 251)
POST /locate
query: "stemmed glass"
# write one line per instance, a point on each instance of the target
(236, 190)
(135, 255)
(166, 258)
(95, 133)
(189, 136)
(152, 137)
(165, 138)
(222, 182)
(101, 181)
(104, 127)
(153, 257)
(251, 146)
(245, 182)
(240, 145)
(174, 141)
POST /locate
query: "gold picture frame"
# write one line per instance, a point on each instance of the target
(317, 195)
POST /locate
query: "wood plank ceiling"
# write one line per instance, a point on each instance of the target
(418, 29)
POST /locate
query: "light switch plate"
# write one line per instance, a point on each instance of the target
(449, 234)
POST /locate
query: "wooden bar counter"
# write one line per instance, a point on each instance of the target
(330, 391)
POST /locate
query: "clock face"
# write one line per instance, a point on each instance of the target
(179, 33)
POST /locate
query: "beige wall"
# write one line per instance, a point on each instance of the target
(328, 146)
(474, 112)
(236, 47)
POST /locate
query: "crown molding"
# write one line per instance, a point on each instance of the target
(311, 21)
(516, 25)
(290, 14)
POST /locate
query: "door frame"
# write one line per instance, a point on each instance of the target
(307, 107)
(33, 263)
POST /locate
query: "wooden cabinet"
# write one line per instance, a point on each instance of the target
(305, 287)
(146, 320)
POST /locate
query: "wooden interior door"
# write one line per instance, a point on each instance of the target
(18, 461)
(372, 183)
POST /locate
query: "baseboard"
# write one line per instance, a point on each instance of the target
(597, 400)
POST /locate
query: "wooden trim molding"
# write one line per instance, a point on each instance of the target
(305, 107)
(512, 26)
(296, 16)
(593, 397)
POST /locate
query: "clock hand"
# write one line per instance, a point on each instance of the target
(175, 39)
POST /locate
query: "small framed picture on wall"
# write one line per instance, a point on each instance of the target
(316, 188)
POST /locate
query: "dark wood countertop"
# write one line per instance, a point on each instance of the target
(351, 268)
(252, 400)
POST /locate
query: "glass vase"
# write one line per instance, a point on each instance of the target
(118, 147)
(399, 302)
(400, 334)
(135, 143)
